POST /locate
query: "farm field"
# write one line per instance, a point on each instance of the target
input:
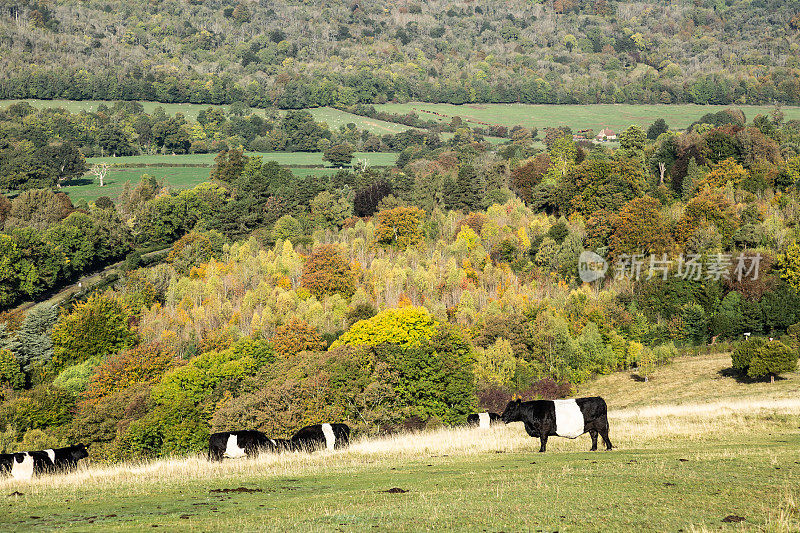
(190, 111)
(674, 468)
(595, 116)
(178, 176)
(290, 159)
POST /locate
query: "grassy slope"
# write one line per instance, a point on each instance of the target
(684, 471)
(616, 116)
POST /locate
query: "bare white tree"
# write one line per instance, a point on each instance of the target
(100, 170)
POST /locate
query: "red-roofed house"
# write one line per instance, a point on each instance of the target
(606, 134)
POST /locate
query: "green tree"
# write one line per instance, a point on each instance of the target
(11, 375)
(340, 154)
(94, 328)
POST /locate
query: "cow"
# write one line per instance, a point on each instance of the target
(66, 459)
(483, 420)
(563, 418)
(28, 464)
(329, 436)
(235, 444)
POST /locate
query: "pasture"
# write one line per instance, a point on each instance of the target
(186, 171)
(676, 467)
(190, 111)
(595, 116)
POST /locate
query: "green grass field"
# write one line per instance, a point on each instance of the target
(290, 159)
(184, 177)
(679, 467)
(616, 116)
(190, 111)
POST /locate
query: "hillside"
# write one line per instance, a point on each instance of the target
(316, 53)
(740, 464)
(688, 381)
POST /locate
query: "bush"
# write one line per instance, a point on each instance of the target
(11, 375)
(296, 336)
(145, 363)
(744, 353)
(76, 377)
(95, 328)
(771, 359)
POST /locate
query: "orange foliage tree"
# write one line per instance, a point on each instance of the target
(296, 336)
(145, 363)
(639, 228)
(327, 272)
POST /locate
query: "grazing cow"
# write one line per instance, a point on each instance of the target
(483, 420)
(330, 436)
(235, 444)
(563, 418)
(66, 459)
(28, 464)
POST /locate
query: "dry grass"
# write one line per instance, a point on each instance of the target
(689, 380)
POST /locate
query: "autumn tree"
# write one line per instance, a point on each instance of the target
(724, 172)
(400, 226)
(327, 272)
(228, 165)
(296, 336)
(639, 227)
(527, 176)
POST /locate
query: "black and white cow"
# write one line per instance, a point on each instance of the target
(483, 420)
(28, 464)
(66, 459)
(235, 444)
(562, 418)
(329, 436)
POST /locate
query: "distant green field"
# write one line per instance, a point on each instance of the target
(615, 116)
(190, 111)
(376, 159)
(184, 177)
(335, 118)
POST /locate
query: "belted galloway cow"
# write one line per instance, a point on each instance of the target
(562, 418)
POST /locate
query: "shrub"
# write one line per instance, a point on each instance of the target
(744, 353)
(495, 365)
(76, 377)
(145, 363)
(771, 359)
(326, 272)
(42, 407)
(10, 372)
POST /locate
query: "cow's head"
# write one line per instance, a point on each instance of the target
(80, 451)
(513, 411)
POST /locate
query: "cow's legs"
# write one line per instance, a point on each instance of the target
(543, 439)
(604, 433)
(593, 434)
(606, 441)
(215, 453)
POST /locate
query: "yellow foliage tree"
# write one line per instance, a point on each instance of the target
(399, 226)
